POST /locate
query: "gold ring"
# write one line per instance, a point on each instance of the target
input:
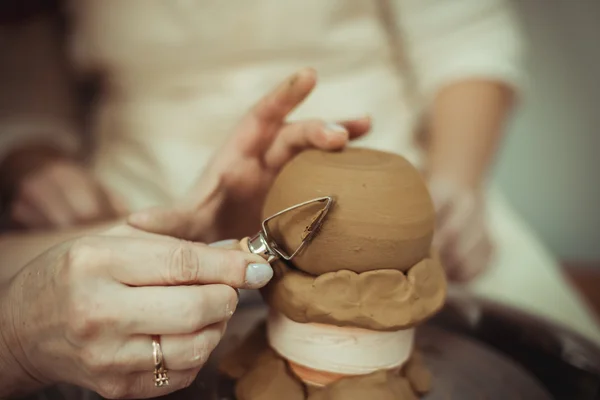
(160, 373)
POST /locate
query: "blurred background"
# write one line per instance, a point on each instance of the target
(550, 165)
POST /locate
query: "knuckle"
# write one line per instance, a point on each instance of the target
(184, 264)
(83, 252)
(81, 324)
(232, 267)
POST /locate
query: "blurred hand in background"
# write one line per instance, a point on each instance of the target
(46, 189)
(462, 237)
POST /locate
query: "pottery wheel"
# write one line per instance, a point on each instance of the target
(462, 368)
(465, 369)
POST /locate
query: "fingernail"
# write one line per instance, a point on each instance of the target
(224, 243)
(258, 275)
(336, 129)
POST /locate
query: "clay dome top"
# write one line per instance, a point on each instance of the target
(382, 217)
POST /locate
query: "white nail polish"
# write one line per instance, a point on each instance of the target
(334, 127)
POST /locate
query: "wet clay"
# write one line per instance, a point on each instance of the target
(377, 300)
(417, 374)
(268, 377)
(382, 218)
(237, 363)
(380, 385)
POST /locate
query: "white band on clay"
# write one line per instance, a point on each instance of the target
(348, 351)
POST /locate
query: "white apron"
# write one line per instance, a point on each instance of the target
(181, 73)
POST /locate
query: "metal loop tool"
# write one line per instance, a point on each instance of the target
(264, 245)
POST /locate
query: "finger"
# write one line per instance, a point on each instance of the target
(89, 199)
(457, 213)
(141, 385)
(448, 257)
(443, 196)
(25, 215)
(473, 260)
(116, 202)
(472, 233)
(357, 127)
(47, 198)
(173, 221)
(231, 244)
(146, 262)
(81, 194)
(180, 352)
(473, 265)
(111, 205)
(175, 310)
(177, 380)
(276, 105)
(466, 227)
(262, 120)
(296, 137)
(187, 218)
(128, 231)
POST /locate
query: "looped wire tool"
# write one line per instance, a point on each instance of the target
(264, 245)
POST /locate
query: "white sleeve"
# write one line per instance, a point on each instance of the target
(37, 103)
(450, 40)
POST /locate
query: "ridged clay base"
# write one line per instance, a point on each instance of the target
(261, 374)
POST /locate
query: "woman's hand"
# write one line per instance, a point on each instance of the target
(49, 190)
(465, 129)
(84, 312)
(462, 237)
(227, 199)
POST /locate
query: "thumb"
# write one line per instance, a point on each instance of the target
(164, 221)
(117, 202)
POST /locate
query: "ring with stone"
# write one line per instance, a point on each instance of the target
(160, 373)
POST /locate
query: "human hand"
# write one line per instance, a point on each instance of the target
(227, 200)
(462, 237)
(84, 312)
(49, 190)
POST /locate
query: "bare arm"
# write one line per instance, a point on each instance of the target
(467, 123)
(466, 57)
(18, 249)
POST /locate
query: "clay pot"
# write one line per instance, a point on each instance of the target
(382, 218)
